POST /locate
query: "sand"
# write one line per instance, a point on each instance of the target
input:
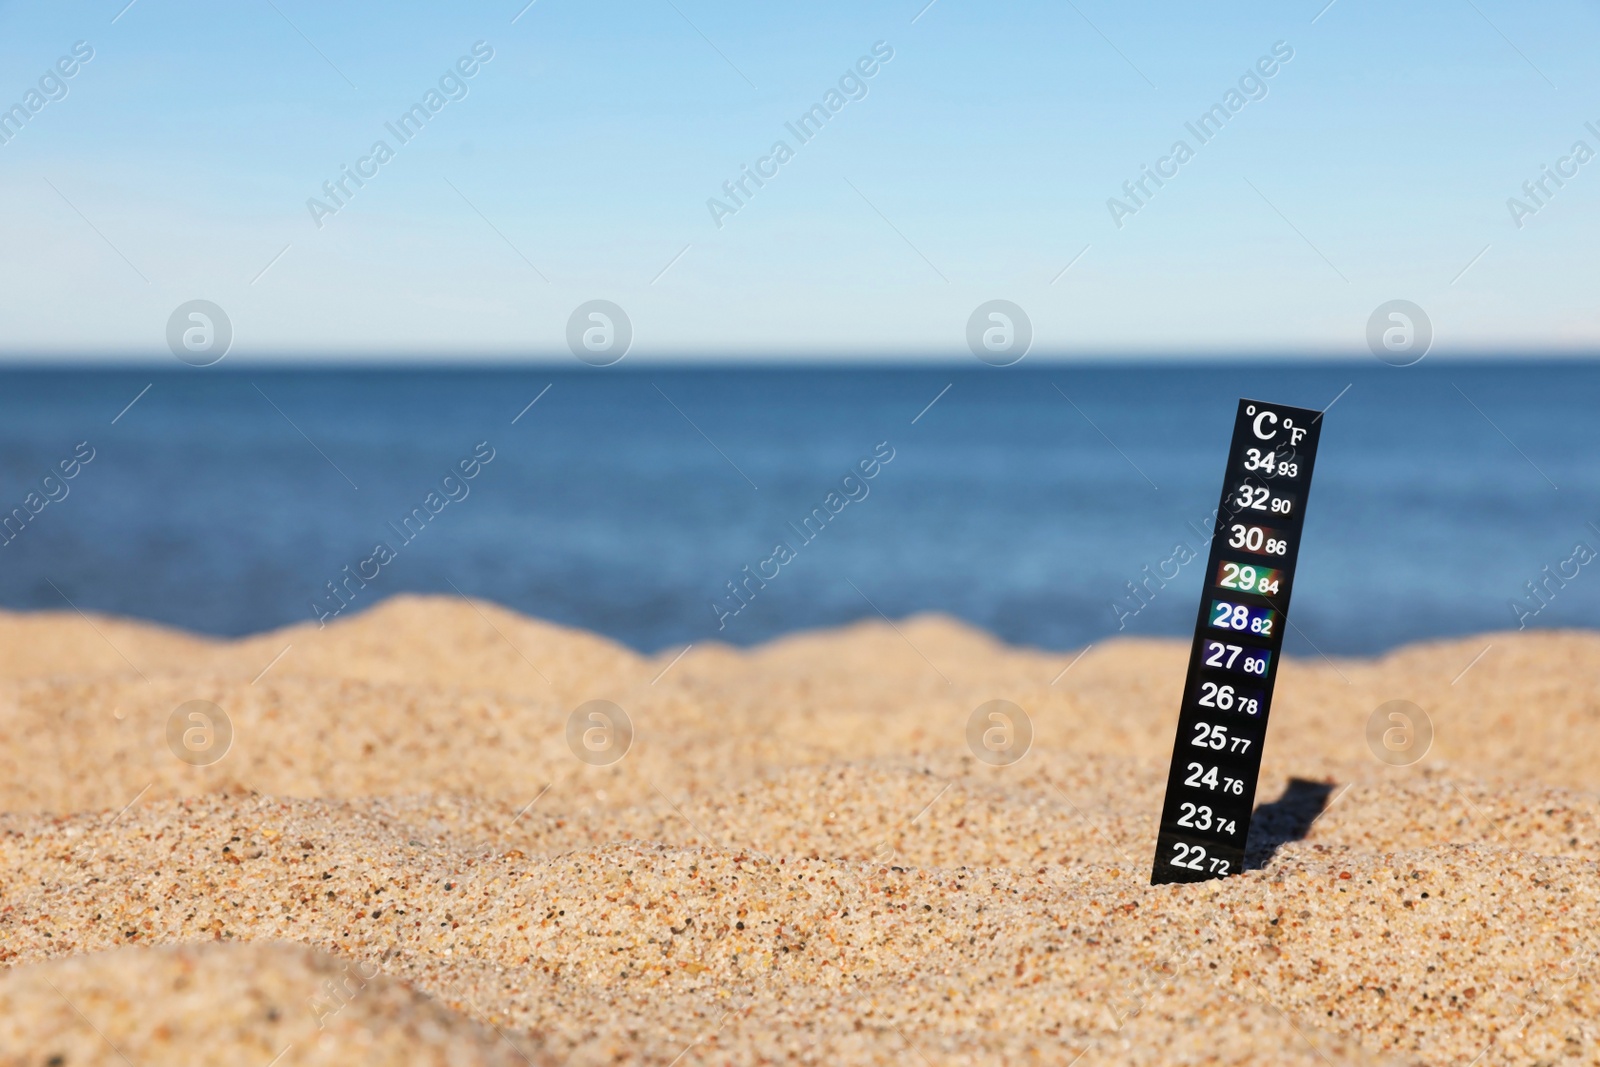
(400, 859)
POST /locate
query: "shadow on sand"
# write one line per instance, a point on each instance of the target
(1286, 819)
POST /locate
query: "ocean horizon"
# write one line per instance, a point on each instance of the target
(1050, 504)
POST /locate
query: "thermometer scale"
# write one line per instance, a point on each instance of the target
(1244, 610)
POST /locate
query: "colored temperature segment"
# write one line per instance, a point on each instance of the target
(1245, 618)
(1248, 578)
(1227, 697)
(1230, 657)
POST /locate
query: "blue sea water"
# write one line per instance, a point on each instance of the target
(1024, 500)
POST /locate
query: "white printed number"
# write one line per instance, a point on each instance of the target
(1255, 539)
(1261, 500)
(1215, 650)
(1219, 654)
(1253, 498)
(1208, 736)
(1254, 460)
(1223, 698)
(1200, 817)
(1245, 579)
(1193, 858)
(1201, 775)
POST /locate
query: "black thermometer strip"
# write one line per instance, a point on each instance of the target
(1244, 610)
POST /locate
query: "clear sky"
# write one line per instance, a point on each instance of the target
(977, 163)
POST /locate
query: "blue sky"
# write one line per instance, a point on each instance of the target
(977, 166)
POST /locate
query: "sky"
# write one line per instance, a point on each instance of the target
(983, 158)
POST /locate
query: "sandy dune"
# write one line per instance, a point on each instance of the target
(401, 859)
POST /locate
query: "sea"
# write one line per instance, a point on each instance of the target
(649, 504)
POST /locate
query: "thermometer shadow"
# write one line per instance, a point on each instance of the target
(1286, 819)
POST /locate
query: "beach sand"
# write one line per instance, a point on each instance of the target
(401, 859)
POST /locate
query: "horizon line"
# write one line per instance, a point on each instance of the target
(488, 360)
